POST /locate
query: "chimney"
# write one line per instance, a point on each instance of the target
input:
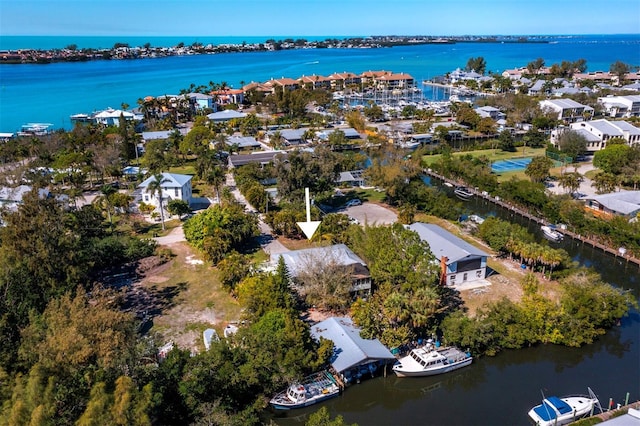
(443, 270)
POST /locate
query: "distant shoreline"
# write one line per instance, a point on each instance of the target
(71, 53)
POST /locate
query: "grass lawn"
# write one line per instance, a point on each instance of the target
(491, 154)
(186, 169)
(371, 195)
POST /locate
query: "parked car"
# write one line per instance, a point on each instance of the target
(354, 202)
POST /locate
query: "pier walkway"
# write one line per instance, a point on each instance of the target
(496, 200)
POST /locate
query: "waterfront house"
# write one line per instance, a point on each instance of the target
(334, 256)
(340, 80)
(285, 83)
(567, 110)
(315, 82)
(394, 81)
(369, 77)
(111, 117)
(174, 187)
(353, 178)
(621, 106)
(460, 261)
(624, 203)
(350, 351)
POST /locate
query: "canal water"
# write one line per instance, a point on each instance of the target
(500, 390)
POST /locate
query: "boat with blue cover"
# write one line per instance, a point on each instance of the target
(555, 411)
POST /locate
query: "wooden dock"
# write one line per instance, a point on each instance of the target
(508, 206)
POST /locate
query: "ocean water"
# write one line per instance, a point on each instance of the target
(52, 92)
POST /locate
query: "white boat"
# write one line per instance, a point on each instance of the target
(428, 360)
(550, 233)
(556, 411)
(463, 193)
(476, 219)
(313, 389)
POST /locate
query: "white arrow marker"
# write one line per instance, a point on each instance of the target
(309, 227)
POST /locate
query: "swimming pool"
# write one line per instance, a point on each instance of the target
(511, 165)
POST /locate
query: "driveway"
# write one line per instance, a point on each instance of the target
(585, 189)
(175, 236)
(370, 213)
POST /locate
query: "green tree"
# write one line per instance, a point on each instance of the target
(570, 181)
(506, 142)
(605, 182)
(373, 112)
(538, 168)
(178, 207)
(571, 143)
(323, 418)
(220, 229)
(478, 65)
(620, 70)
(233, 269)
(614, 158)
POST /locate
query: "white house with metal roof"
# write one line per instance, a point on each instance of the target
(351, 353)
(111, 117)
(600, 131)
(461, 262)
(174, 187)
(621, 106)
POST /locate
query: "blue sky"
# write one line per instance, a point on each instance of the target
(315, 17)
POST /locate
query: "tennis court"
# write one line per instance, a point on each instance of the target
(512, 165)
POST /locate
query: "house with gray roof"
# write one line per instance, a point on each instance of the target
(567, 110)
(225, 115)
(460, 261)
(244, 142)
(353, 178)
(624, 203)
(351, 353)
(261, 157)
(600, 131)
(490, 112)
(337, 255)
(174, 187)
(292, 136)
(621, 106)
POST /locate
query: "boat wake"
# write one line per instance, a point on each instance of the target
(312, 63)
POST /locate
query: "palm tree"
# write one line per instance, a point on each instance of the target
(216, 177)
(104, 200)
(155, 189)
